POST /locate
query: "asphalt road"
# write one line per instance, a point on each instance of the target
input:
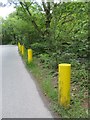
(20, 97)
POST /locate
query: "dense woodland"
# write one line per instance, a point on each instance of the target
(57, 33)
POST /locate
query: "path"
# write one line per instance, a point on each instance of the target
(20, 97)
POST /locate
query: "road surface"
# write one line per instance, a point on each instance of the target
(20, 97)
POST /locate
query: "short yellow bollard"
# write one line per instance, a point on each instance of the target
(64, 84)
(22, 50)
(29, 55)
(18, 46)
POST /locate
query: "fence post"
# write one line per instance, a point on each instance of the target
(64, 84)
(29, 55)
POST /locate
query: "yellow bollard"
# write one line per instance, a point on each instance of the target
(22, 50)
(29, 55)
(18, 46)
(64, 84)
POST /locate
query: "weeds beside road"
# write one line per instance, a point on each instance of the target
(48, 84)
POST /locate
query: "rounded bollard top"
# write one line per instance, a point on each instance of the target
(65, 64)
(29, 49)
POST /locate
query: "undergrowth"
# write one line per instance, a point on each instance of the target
(48, 83)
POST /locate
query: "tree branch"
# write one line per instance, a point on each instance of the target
(30, 16)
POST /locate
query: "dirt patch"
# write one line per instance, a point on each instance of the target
(85, 103)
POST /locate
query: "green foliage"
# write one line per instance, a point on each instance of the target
(44, 58)
(39, 47)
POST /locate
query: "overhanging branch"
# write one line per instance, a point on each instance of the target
(26, 9)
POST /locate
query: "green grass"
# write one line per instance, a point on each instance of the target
(44, 76)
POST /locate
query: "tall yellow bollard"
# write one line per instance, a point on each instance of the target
(64, 84)
(29, 55)
(22, 50)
